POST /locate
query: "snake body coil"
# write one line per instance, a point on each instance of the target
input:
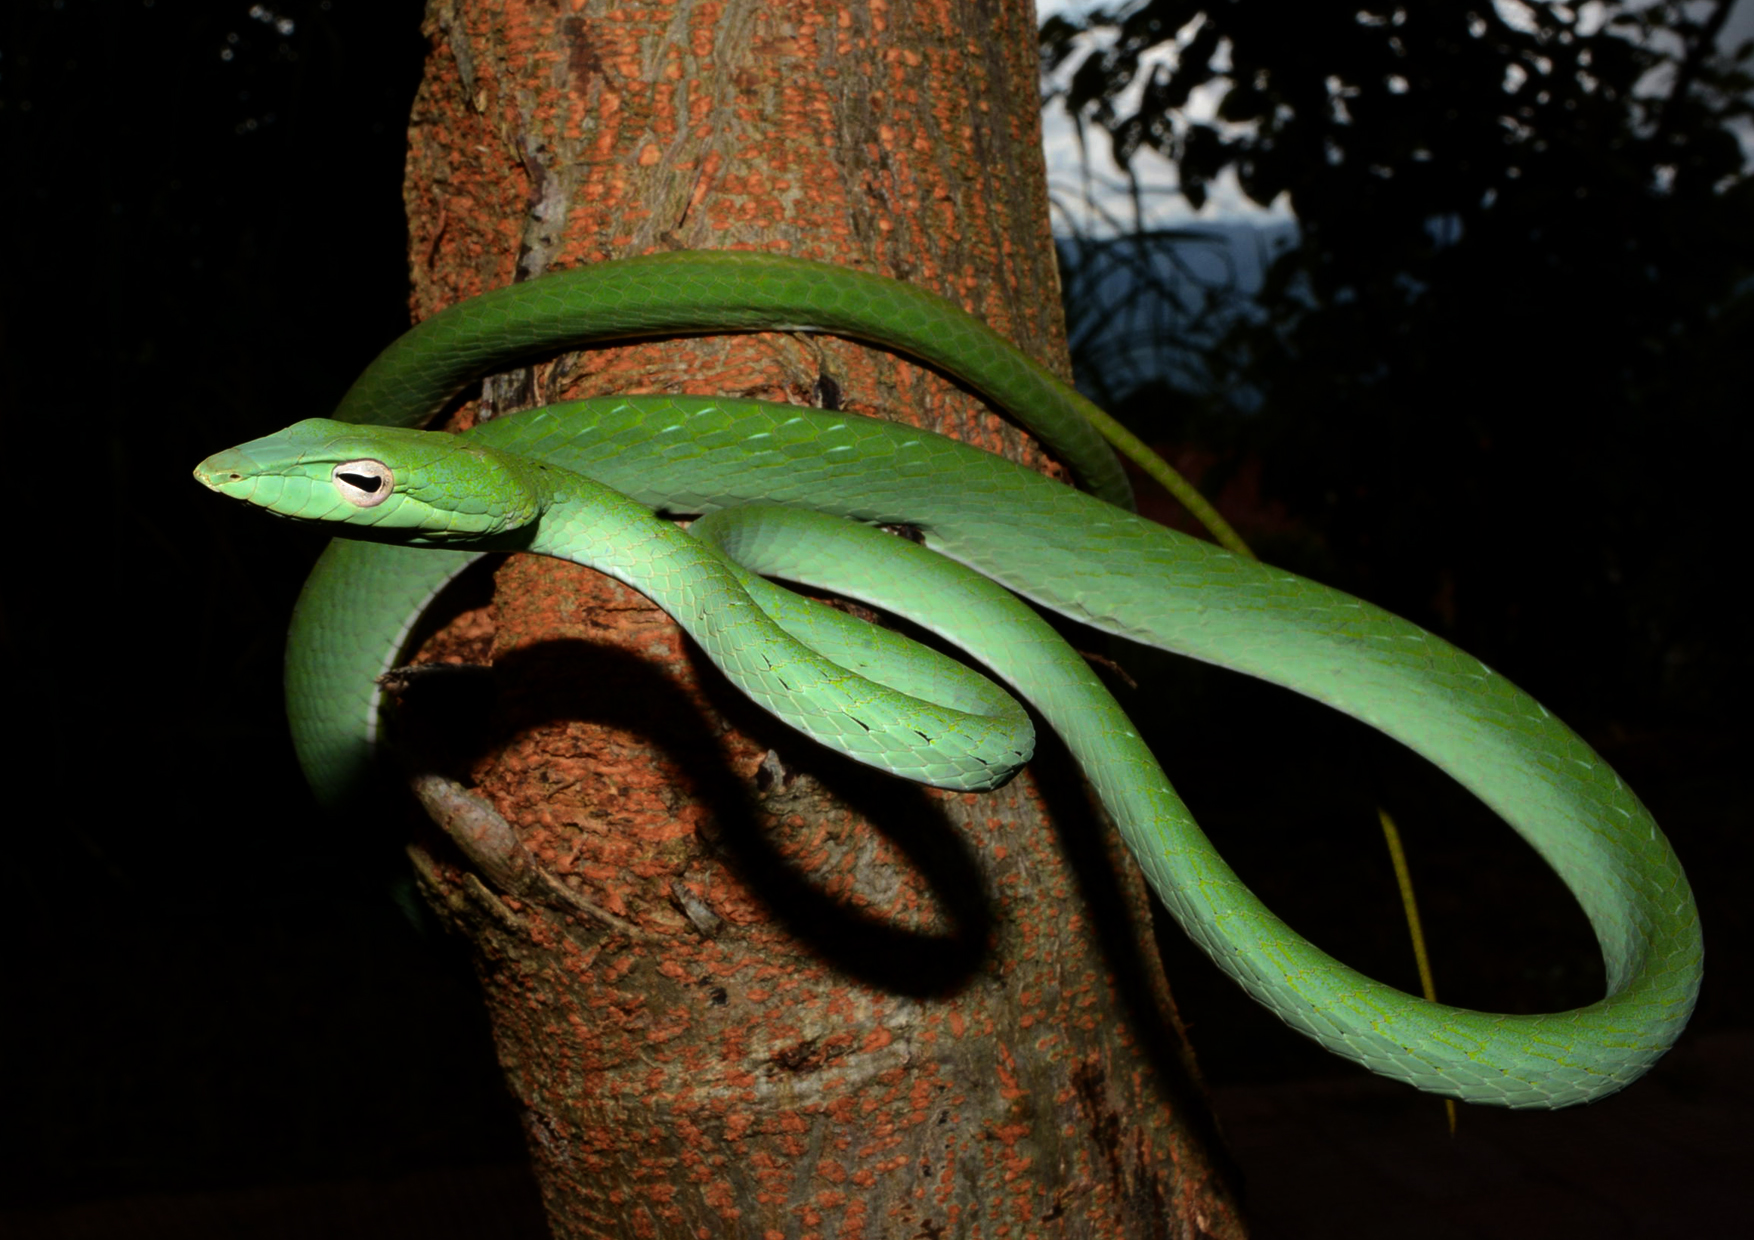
(582, 481)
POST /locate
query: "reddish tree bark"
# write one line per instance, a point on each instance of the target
(809, 1001)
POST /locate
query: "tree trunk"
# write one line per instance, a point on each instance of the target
(810, 1001)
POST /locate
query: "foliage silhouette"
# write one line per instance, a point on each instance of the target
(1503, 373)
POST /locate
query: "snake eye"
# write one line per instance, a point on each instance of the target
(364, 484)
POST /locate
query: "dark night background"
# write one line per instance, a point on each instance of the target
(219, 1021)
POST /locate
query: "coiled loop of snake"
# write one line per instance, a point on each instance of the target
(764, 465)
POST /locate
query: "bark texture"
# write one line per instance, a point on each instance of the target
(788, 998)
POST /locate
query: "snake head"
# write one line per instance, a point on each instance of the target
(381, 483)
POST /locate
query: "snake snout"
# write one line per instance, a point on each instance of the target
(220, 470)
(230, 473)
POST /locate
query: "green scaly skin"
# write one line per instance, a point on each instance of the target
(760, 466)
(924, 717)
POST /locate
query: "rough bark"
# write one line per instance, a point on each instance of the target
(786, 998)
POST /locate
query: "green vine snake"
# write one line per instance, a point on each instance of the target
(592, 481)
